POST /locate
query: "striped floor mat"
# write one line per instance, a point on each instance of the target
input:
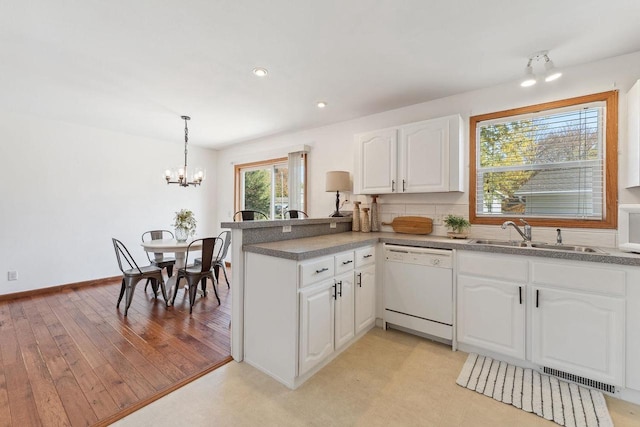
(564, 403)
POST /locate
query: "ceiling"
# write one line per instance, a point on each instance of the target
(136, 66)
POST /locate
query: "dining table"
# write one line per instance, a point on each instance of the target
(178, 248)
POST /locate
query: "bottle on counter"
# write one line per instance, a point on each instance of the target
(355, 221)
(366, 224)
(375, 224)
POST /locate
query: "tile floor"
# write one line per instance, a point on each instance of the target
(385, 379)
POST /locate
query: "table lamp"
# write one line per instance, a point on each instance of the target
(338, 181)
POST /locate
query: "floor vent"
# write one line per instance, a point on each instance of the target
(580, 380)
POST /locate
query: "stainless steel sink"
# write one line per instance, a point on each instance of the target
(534, 245)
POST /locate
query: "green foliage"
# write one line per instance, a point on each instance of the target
(457, 223)
(184, 219)
(257, 190)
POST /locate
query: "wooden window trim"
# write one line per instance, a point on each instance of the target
(237, 170)
(610, 220)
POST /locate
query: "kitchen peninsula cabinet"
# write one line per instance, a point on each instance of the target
(422, 157)
(301, 314)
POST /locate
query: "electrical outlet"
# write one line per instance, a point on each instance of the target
(332, 225)
(286, 229)
(12, 275)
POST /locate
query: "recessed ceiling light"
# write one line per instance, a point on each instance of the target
(260, 72)
(321, 104)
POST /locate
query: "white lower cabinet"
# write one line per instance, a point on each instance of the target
(345, 309)
(579, 333)
(365, 298)
(316, 324)
(571, 313)
(491, 315)
(298, 315)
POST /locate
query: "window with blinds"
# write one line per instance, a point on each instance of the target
(544, 163)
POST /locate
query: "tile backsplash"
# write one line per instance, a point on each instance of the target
(571, 236)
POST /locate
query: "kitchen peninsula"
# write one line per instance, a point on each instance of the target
(604, 283)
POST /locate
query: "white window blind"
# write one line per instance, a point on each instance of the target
(548, 164)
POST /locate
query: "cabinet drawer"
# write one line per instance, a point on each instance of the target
(503, 267)
(580, 276)
(344, 262)
(365, 256)
(315, 270)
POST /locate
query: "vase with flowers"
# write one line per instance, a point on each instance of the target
(185, 225)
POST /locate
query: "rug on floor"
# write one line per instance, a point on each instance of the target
(564, 403)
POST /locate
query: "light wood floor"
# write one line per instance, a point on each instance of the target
(72, 358)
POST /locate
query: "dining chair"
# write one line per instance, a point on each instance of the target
(132, 275)
(159, 259)
(250, 215)
(219, 260)
(199, 272)
(294, 213)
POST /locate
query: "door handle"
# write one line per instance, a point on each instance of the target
(340, 283)
(360, 280)
(393, 186)
(335, 290)
(520, 294)
(403, 186)
(537, 297)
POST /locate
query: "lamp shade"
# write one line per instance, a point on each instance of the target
(338, 181)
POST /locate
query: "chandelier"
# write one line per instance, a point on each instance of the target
(180, 175)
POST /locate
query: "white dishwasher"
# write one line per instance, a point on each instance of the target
(418, 289)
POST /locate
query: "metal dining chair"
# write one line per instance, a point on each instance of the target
(250, 215)
(159, 259)
(199, 272)
(219, 260)
(294, 214)
(132, 275)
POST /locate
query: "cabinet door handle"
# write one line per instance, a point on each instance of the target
(368, 256)
(393, 186)
(403, 186)
(360, 280)
(520, 294)
(340, 283)
(335, 290)
(537, 297)
(347, 262)
(322, 270)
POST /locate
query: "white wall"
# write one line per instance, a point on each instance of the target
(333, 147)
(67, 189)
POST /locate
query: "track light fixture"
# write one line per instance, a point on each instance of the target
(550, 72)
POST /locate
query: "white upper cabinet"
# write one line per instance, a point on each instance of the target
(377, 160)
(633, 136)
(422, 157)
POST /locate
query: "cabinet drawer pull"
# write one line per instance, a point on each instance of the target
(520, 294)
(403, 186)
(360, 280)
(368, 256)
(347, 262)
(393, 186)
(322, 270)
(537, 298)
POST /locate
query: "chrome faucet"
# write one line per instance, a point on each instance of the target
(526, 235)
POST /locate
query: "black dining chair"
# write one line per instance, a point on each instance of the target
(249, 215)
(132, 275)
(159, 259)
(294, 214)
(200, 272)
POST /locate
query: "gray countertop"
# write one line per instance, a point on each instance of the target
(312, 247)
